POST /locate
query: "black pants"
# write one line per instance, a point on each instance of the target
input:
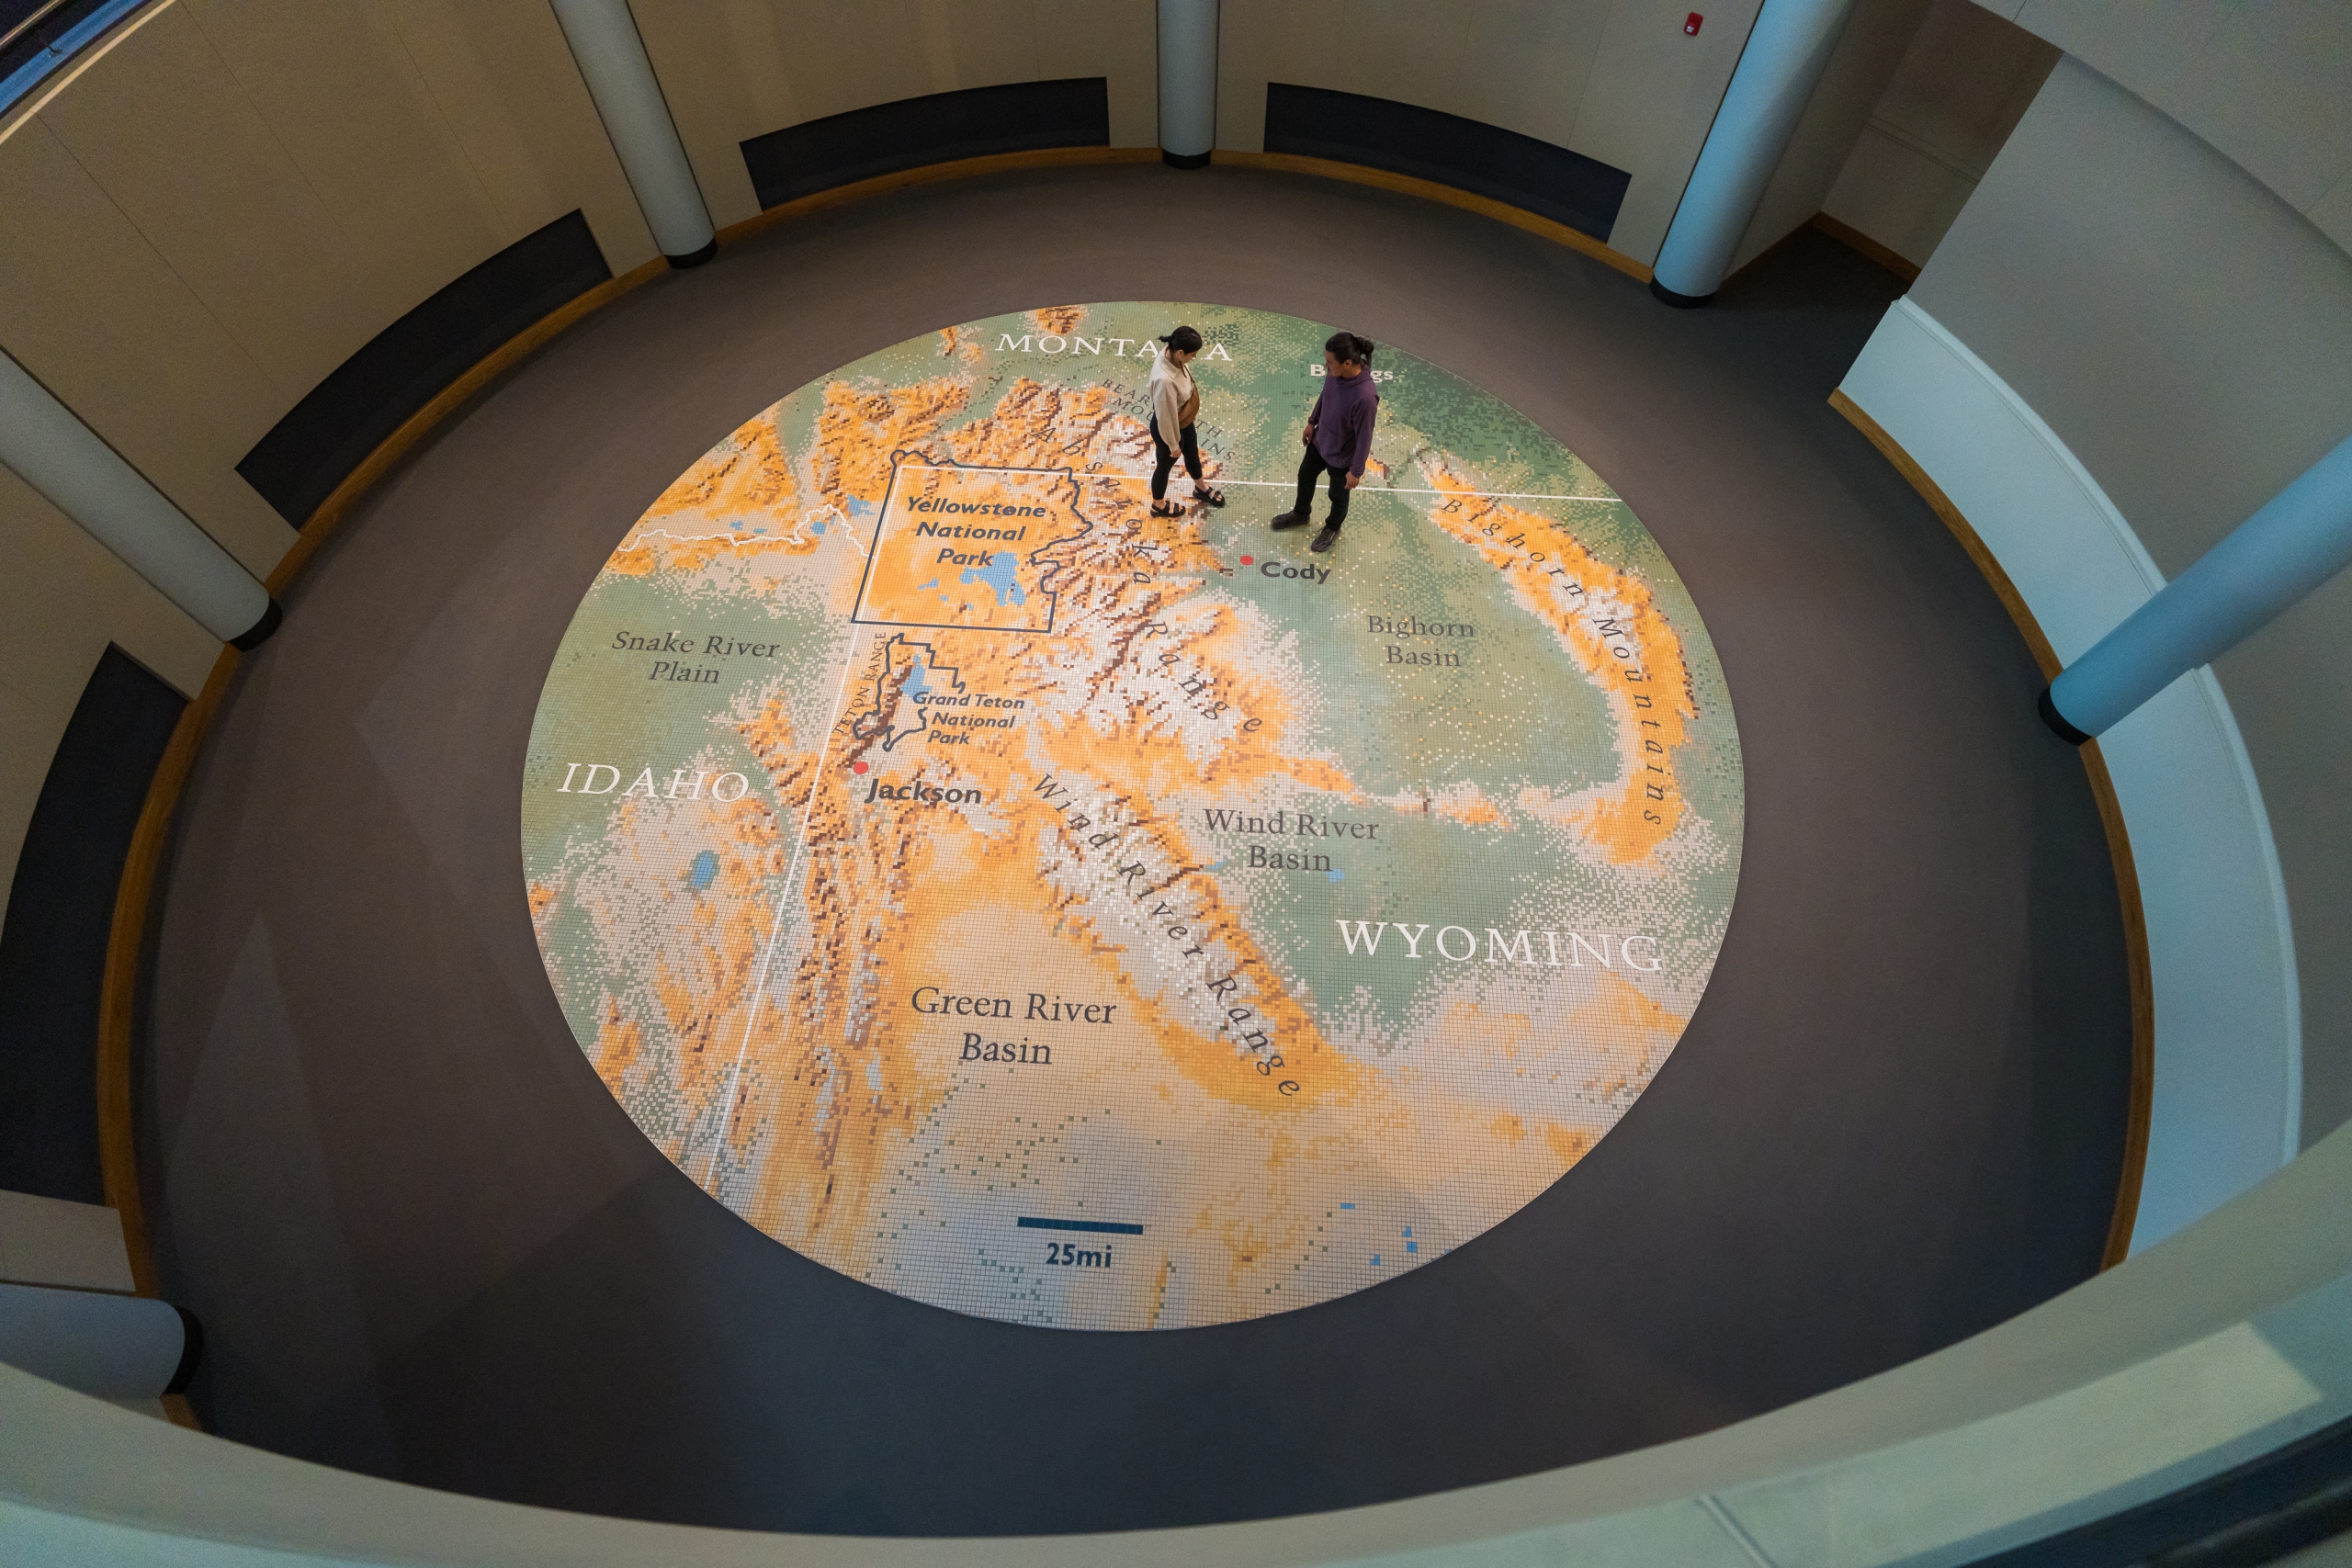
(1192, 446)
(1311, 468)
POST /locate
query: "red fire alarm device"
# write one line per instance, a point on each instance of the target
(1691, 24)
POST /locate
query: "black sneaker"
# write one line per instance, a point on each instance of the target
(1325, 540)
(1289, 520)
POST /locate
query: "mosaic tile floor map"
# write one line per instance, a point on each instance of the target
(1067, 916)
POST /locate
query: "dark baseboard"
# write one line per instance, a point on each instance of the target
(939, 128)
(331, 432)
(1486, 160)
(60, 914)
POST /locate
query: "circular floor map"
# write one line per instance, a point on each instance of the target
(1067, 916)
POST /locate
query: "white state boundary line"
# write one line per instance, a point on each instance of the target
(840, 521)
(1275, 484)
(739, 538)
(776, 933)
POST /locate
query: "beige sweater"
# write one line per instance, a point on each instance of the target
(1171, 388)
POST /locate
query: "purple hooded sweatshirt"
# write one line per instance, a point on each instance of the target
(1343, 417)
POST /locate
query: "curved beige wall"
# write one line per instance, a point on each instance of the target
(2269, 87)
(219, 205)
(63, 599)
(735, 69)
(207, 213)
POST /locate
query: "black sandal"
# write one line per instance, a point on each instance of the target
(1166, 508)
(1209, 494)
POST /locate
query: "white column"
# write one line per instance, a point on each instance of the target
(2301, 537)
(1786, 50)
(1187, 82)
(104, 1345)
(612, 59)
(87, 479)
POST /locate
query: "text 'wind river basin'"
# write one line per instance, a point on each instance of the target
(1063, 915)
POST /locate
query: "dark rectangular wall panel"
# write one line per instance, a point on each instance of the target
(60, 907)
(1551, 182)
(841, 149)
(407, 365)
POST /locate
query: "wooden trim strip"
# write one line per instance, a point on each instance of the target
(1429, 190)
(134, 895)
(933, 173)
(1942, 504)
(126, 944)
(2140, 976)
(1853, 239)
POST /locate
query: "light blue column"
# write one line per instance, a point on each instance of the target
(612, 59)
(1786, 49)
(107, 1345)
(1187, 82)
(2301, 537)
(55, 453)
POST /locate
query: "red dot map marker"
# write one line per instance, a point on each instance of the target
(857, 767)
(1247, 559)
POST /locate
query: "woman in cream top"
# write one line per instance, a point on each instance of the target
(1174, 401)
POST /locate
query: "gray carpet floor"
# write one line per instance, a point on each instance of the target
(425, 1243)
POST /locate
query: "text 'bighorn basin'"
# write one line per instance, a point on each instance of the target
(1071, 917)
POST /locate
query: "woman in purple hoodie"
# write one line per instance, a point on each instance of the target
(1337, 434)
